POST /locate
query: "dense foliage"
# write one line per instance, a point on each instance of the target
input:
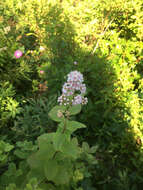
(101, 147)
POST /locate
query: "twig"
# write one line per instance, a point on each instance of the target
(102, 34)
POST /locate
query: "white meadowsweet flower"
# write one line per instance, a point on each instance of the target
(75, 76)
(72, 88)
(77, 100)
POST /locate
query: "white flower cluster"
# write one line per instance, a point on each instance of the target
(7, 29)
(71, 88)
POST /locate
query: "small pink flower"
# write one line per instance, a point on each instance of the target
(41, 72)
(18, 54)
(75, 63)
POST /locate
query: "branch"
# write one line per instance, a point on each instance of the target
(102, 34)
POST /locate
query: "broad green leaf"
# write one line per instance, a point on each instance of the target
(46, 148)
(71, 149)
(37, 167)
(63, 176)
(36, 173)
(51, 169)
(71, 126)
(75, 109)
(74, 125)
(59, 172)
(59, 139)
(45, 139)
(44, 153)
(34, 161)
(53, 114)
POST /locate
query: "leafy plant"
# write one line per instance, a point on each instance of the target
(57, 159)
(9, 106)
(5, 148)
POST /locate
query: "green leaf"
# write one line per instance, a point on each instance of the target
(59, 172)
(34, 161)
(85, 147)
(36, 173)
(71, 149)
(8, 148)
(53, 114)
(74, 125)
(51, 169)
(59, 139)
(46, 147)
(93, 149)
(63, 176)
(21, 154)
(37, 159)
(11, 187)
(75, 109)
(71, 126)
(37, 167)
(45, 139)
(46, 152)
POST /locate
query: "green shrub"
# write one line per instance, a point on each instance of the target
(104, 38)
(9, 106)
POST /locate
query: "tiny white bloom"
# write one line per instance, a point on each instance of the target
(7, 29)
(41, 48)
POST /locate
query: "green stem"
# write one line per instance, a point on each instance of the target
(55, 154)
(64, 126)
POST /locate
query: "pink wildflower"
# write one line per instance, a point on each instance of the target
(41, 72)
(18, 54)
